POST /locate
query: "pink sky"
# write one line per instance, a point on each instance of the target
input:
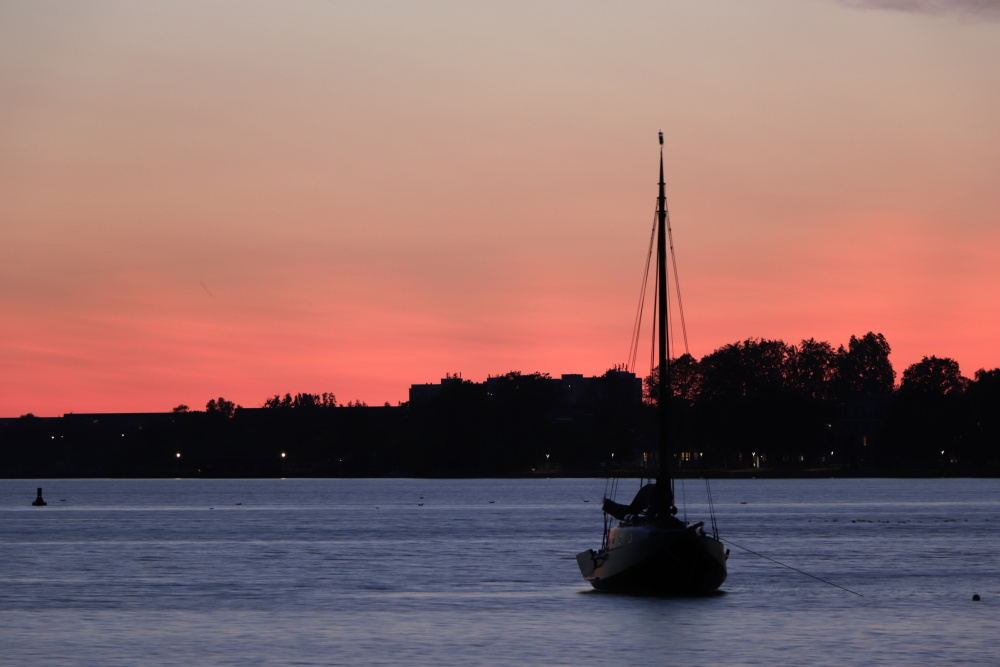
(241, 199)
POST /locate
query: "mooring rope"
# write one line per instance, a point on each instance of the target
(778, 562)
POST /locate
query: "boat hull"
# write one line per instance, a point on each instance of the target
(652, 560)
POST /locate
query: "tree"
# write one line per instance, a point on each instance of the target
(865, 367)
(221, 406)
(739, 370)
(811, 366)
(685, 379)
(934, 375)
(181, 408)
(302, 400)
(991, 377)
(277, 401)
(984, 404)
(515, 376)
(929, 415)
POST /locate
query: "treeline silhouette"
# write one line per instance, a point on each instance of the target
(753, 407)
(768, 405)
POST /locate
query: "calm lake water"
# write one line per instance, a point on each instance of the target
(482, 572)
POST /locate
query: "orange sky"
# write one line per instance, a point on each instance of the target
(247, 198)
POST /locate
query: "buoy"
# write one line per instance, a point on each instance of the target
(38, 501)
(975, 598)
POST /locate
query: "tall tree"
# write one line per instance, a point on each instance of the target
(748, 368)
(929, 415)
(984, 400)
(685, 379)
(865, 367)
(811, 368)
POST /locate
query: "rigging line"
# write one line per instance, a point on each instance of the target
(673, 261)
(677, 283)
(711, 507)
(830, 583)
(614, 488)
(636, 333)
(684, 501)
(670, 324)
(637, 325)
(652, 342)
(652, 329)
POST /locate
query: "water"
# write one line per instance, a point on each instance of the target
(482, 572)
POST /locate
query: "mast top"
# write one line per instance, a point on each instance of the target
(661, 137)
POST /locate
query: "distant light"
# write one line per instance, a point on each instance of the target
(282, 455)
(178, 454)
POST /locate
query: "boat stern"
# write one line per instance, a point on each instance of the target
(588, 563)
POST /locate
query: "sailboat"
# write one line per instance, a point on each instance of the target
(646, 549)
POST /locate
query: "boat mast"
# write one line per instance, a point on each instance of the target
(664, 484)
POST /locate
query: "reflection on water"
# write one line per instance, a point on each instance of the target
(460, 572)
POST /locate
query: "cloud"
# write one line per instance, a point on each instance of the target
(981, 9)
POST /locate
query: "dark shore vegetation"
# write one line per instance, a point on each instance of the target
(757, 407)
